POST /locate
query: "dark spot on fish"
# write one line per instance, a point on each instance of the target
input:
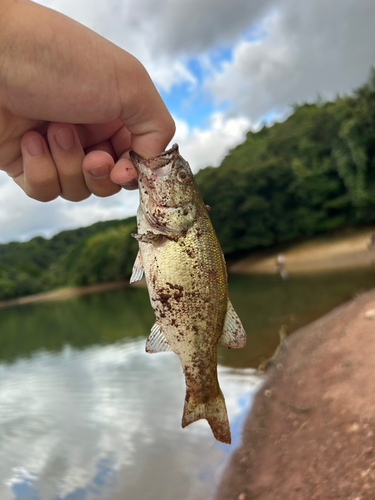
(164, 297)
(175, 287)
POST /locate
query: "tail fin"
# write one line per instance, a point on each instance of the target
(214, 411)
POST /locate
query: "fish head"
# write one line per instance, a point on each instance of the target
(169, 196)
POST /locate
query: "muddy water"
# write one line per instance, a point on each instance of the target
(86, 414)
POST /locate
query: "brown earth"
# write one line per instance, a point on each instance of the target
(311, 432)
(344, 251)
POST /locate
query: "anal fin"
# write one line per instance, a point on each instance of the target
(138, 270)
(156, 341)
(234, 335)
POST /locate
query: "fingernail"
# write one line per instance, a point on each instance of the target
(64, 138)
(35, 146)
(99, 172)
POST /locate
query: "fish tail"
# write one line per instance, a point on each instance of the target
(214, 411)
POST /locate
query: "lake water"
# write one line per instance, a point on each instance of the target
(86, 414)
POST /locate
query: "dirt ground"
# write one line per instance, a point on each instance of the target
(327, 253)
(311, 432)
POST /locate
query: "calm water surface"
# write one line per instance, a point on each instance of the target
(86, 414)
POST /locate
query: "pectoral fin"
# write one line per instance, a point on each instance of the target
(156, 341)
(138, 270)
(155, 239)
(234, 335)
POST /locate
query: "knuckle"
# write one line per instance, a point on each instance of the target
(75, 196)
(42, 196)
(104, 193)
(43, 189)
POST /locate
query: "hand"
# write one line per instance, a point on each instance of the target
(72, 105)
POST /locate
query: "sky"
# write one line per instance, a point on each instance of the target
(223, 68)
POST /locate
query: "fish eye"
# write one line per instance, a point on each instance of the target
(182, 175)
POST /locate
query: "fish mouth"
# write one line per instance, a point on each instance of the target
(159, 165)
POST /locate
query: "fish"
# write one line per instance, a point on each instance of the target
(182, 261)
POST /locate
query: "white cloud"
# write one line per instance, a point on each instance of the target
(21, 218)
(165, 74)
(203, 147)
(311, 47)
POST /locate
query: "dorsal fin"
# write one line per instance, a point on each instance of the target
(156, 341)
(234, 335)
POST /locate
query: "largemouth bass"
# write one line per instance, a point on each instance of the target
(186, 277)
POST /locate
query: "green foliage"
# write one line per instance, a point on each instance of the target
(105, 256)
(315, 172)
(102, 252)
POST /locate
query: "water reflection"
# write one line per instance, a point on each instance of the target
(80, 322)
(264, 303)
(86, 414)
(105, 421)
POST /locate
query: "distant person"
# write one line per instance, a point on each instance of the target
(371, 243)
(280, 266)
(72, 105)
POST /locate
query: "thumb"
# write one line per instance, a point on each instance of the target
(145, 115)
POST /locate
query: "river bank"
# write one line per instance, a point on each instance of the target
(311, 431)
(347, 250)
(64, 293)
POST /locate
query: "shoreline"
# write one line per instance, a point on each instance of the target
(323, 254)
(310, 433)
(64, 293)
(326, 253)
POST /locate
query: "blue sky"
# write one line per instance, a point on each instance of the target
(190, 101)
(222, 68)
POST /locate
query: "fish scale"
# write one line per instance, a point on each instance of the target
(187, 282)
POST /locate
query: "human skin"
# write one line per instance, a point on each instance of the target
(72, 105)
